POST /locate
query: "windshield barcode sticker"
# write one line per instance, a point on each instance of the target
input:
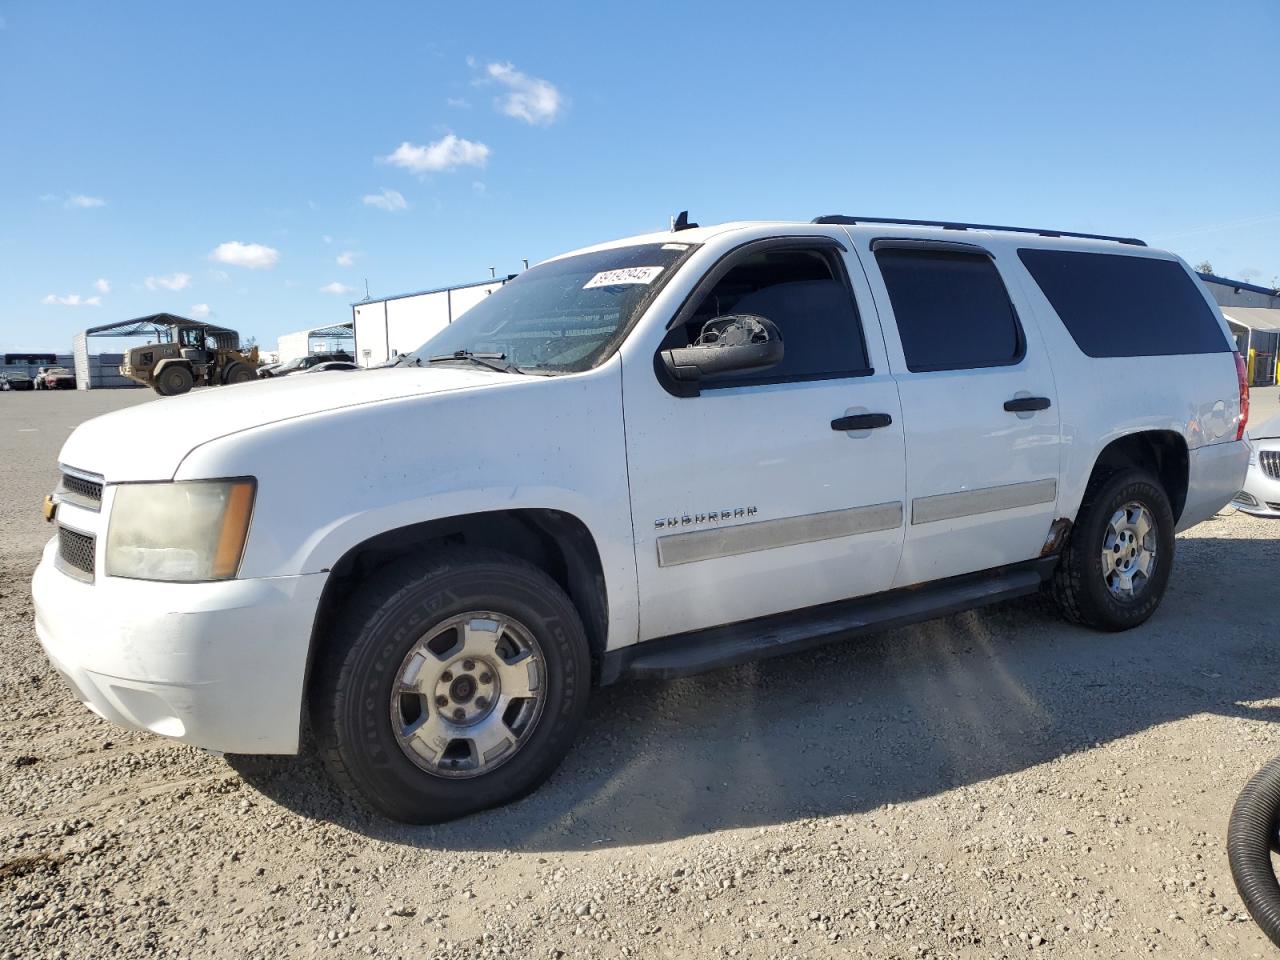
(612, 278)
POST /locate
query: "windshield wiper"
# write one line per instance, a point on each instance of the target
(480, 359)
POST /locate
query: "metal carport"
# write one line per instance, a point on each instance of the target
(93, 372)
(1257, 332)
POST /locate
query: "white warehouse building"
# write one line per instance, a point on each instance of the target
(400, 324)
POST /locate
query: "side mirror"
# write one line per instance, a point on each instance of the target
(727, 345)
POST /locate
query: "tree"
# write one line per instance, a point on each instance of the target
(1204, 266)
(251, 342)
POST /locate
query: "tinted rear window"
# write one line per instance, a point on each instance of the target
(1117, 306)
(952, 309)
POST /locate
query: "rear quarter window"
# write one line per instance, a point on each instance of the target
(1120, 306)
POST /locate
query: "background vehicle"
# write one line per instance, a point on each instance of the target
(331, 365)
(19, 381)
(826, 428)
(1260, 494)
(196, 354)
(298, 364)
(55, 378)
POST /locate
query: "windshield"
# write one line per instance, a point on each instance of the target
(560, 317)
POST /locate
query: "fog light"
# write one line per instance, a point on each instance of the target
(1248, 499)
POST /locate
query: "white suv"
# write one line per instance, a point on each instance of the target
(647, 458)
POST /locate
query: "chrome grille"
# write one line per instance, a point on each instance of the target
(1269, 460)
(75, 553)
(82, 489)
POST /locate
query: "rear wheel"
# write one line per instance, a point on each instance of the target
(172, 381)
(237, 372)
(1119, 556)
(451, 687)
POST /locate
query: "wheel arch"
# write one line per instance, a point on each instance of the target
(557, 542)
(1162, 452)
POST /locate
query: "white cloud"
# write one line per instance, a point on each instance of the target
(530, 99)
(448, 152)
(387, 200)
(462, 103)
(102, 285)
(72, 300)
(347, 258)
(252, 255)
(174, 281)
(80, 200)
(199, 310)
(327, 239)
(478, 188)
(336, 288)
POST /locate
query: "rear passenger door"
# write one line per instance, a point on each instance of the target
(979, 405)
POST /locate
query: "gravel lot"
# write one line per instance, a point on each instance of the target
(990, 785)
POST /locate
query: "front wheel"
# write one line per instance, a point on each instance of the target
(451, 687)
(1116, 565)
(237, 372)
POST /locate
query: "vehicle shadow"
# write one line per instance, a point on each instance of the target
(891, 718)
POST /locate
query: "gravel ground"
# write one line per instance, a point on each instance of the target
(989, 785)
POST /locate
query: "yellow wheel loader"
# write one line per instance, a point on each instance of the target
(194, 354)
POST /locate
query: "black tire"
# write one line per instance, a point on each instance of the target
(1078, 584)
(1251, 840)
(174, 380)
(355, 670)
(237, 372)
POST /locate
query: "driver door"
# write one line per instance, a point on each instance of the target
(749, 499)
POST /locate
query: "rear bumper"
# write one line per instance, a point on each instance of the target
(1216, 473)
(217, 665)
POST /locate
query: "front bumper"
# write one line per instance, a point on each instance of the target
(1260, 494)
(217, 665)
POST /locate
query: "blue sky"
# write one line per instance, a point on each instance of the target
(224, 157)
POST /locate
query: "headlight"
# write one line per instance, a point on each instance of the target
(185, 531)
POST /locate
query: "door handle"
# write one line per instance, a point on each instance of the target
(1026, 404)
(862, 421)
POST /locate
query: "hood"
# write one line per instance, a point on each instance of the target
(150, 440)
(1267, 430)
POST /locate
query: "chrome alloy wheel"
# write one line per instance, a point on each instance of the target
(468, 694)
(1129, 546)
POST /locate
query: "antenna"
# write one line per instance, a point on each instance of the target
(525, 260)
(492, 273)
(366, 288)
(681, 222)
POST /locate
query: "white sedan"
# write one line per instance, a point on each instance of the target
(1261, 493)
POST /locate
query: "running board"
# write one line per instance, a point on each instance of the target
(686, 654)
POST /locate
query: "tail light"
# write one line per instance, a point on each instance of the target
(1242, 374)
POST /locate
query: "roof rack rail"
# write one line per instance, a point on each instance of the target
(949, 225)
